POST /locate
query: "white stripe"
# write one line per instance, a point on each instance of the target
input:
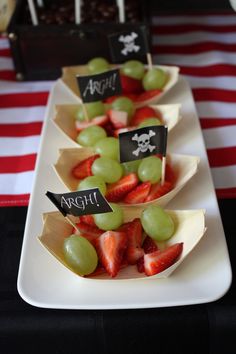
(218, 82)
(215, 20)
(4, 43)
(220, 137)
(224, 177)
(16, 183)
(210, 109)
(22, 115)
(193, 37)
(202, 59)
(6, 63)
(19, 146)
(18, 87)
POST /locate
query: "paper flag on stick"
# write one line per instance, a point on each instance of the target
(128, 45)
(100, 86)
(79, 203)
(140, 143)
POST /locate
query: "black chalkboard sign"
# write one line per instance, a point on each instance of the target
(128, 45)
(89, 201)
(100, 86)
(140, 143)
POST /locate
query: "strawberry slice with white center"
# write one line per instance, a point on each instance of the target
(100, 120)
(158, 261)
(149, 246)
(138, 194)
(84, 167)
(158, 190)
(119, 119)
(116, 191)
(110, 247)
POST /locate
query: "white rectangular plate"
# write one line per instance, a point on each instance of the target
(203, 277)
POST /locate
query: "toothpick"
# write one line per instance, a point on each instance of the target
(121, 8)
(77, 12)
(163, 170)
(85, 112)
(72, 223)
(149, 61)
(33, 13)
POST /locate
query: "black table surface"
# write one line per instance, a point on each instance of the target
(206, 328)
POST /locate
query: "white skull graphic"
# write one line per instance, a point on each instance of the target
(143, 142)
(129, 43)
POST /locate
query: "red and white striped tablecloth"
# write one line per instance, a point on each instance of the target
(202, 45)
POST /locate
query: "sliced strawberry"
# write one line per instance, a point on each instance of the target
(170, 174)
(110, 247)
(134, 234)
(140, 265)
(158, 261)
(130, 85)
(116, 191)
(84, 167)
(147, 95)
(88, 231)
(118, 119)
(100, 120)
(141, 114)
(138, 194)
(87, 219)
(149, 245)
(157, 190)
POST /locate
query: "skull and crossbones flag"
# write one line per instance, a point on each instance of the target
(99, 86)
(140, 143)
(128, 45)
(89, 201)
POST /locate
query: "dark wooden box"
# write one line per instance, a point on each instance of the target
(40, 51)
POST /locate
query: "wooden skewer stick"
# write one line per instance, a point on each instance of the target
(149, 61)
(85, 112)
(121, 8)
(163, 170)
(33, 13)
(72, 223)
(77, 12)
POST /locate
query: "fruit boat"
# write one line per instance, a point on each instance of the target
(189, 229)
(64, 119)
(184, 168)
(147, 98)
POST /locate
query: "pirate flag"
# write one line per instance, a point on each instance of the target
(100, 86)
(128, 45)
(140, 143)
(79, 203)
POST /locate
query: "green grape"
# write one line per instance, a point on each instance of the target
(110, 221)
(150, 169)
(157, 223)
(107, 169)
(131, 166)
(80, 255)
(108, 147)
(91, 135)
(98, 65)
(93, 109)
(134, 69)
(124, 104)
(154, 79)
(149, 122)
(93, 182)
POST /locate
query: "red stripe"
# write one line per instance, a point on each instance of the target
(20, 130)
(9, 75)
(222, 157)
(14, 200)
(5, 52)
(226, 193)
(23, 99)
(185, 28)
(194, 13)
(216, 122)
(16, 164)
(194, 48)
(210, 70)
(210, 94)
